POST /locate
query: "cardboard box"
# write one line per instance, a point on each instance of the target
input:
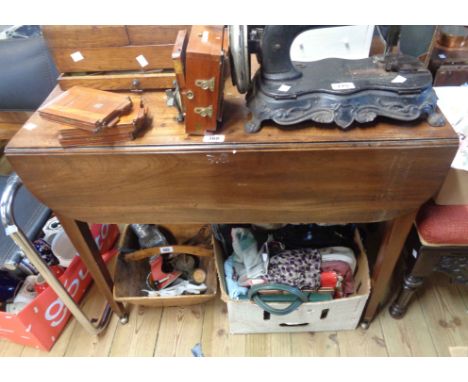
(40, 323)
(339, 314)
(454, 191)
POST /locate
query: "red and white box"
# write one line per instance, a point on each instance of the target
(40, 323)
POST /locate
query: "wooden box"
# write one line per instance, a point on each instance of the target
(339, 314)
(113, 57)
(130, 277)
(204, 67)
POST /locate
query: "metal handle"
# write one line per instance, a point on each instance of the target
(14, 183)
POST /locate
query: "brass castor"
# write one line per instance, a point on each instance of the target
(124, 319)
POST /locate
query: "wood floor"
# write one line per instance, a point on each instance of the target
(435, 325)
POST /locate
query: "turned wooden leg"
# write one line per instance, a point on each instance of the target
(81, 237)
(426, 263)
(390, 249)
(400, 305)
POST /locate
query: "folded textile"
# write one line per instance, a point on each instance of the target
(296, 236)
(298, 267)
(178, 288)
(235, 291)
(339, 254)
(344, 269)
(248, 261)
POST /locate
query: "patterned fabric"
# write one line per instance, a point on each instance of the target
(296, 267)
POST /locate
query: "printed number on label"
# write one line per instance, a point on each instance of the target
(166, 249)
(343, 86)
(213, 138)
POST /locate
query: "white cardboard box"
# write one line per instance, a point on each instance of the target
(339, 314)
(454, 191)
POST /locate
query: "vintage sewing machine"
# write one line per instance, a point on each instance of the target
(329, 90)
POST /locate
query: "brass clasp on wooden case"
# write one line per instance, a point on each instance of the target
(206, 84)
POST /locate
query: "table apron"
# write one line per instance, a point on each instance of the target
(361, 184)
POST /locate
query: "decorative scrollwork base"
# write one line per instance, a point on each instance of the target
(343, 110)
(456, 267)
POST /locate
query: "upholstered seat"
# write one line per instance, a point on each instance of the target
(443, 225)
(438, 243)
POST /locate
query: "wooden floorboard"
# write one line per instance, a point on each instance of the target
(436, 324)
(445, 314)
(180, 330)
(138, 337)
(216, 340)
(363, 343)
(409, 336)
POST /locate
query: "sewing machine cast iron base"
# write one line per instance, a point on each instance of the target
(363, 91)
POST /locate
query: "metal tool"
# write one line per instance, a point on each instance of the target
(93, 326)
(331, 90)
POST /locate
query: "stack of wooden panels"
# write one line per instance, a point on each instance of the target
(113, 57)
(95, 117)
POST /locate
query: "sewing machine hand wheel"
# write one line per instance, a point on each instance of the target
(240, 57)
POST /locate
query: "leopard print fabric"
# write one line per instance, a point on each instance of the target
(296, 267)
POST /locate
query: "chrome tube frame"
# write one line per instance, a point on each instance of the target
(92, 326)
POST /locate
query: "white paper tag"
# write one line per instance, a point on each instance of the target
(142, 61)
(442, 56)
(166, 249)
(284, 88)
(205, 36)
(343, 86)
(213, 138)
(399, 79)
(77, 56)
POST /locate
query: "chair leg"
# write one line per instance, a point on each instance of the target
(424, 266)
(400, 305)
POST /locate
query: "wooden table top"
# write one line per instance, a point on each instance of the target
(40, 136)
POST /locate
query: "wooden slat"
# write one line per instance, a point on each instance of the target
(154, 34)
(463, 289)
(216, 340)
(257, 345)
(320, 344)
(445, 314)
(363, 343)
(280, 345)
(119, 81)
(180, 331)
(10, 349)
(141, 335)
(138, 337)
(84, 344)
(85, 36)
(113, 58)
(409, 336)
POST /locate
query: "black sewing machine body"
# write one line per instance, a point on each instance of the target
(330, 90)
